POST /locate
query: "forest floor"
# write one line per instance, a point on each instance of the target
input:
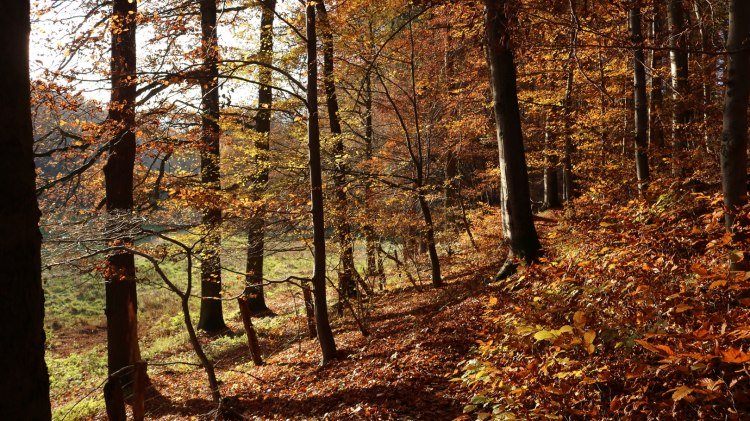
(630, 313)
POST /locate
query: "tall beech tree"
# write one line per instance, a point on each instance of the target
(639, 95)
(678, 56)
(734, 135)
(24, 388)
(325, 334)
(256, 224)
(120, 280)
(347, 272)
(518, 224)
(211, 316)
(656, 99)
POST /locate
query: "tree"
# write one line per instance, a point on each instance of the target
(211, 316)
(678, 55)
(325, 335)
(518, 224)
(655, 127)
(347, 272)
(256, 225)
(639, 95)
(120, 281)
(734, 136)
(24, 389)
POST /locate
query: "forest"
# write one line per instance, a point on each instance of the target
(374, 210)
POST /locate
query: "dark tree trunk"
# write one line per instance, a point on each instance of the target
(567, 164)
(211, 316)
(639, 98)
(256, 300)
(655, 123)
(121, 299)
(681, 114)
(551, 186)
(734, 136)
(372, 244)
(24, 388)
(518, 224)
(325, 334)
(348, 272)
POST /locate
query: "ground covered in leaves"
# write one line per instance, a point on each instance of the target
(630, 313)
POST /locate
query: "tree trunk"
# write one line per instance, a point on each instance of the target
(24, 389)
(518, 225)
(254, 293)
(372, 244)
(681, 114)
(734, 136)
(120, 281)
(325, 334)
(567, 173)
(707, 65)
(347, 273)
(655, 124)
(639, 98)
(211, 316)
(551, 187)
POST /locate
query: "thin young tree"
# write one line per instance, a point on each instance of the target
(256, 224)
(24, 388)
(518, 224)
(639, 95)
(120, 280)
(325, 334)
(211, 315)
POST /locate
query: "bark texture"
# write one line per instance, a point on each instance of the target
(678, 56)
(211, 315)
(734, 136)
(518, 224)
(120, 282)
(24, 388)
(639, 98)
(324, 332)
(254, 293)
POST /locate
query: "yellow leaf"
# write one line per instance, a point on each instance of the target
(543, 335)
(681, 392)
(493, 301)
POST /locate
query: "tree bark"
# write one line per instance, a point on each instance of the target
(325, 334)
(551, 186)
(24, 388)
(567, 167)
(681, 114)
(518, 225)
(120, 281)
(640, 99)
(655, 123)
(734, 136)
(348, 272)
(254, 293)
(211, 316)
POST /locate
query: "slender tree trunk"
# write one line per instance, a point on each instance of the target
(325, 334)
(734, 136)
(551, 187)
(256, 300)
(24, 388)
(371, 240)
(120, 288)
(639, 98)
(681, 114)
(655, 124)
(348, 272)
(707, 64)
(567, 173)
(518, 224)
(211, 316)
